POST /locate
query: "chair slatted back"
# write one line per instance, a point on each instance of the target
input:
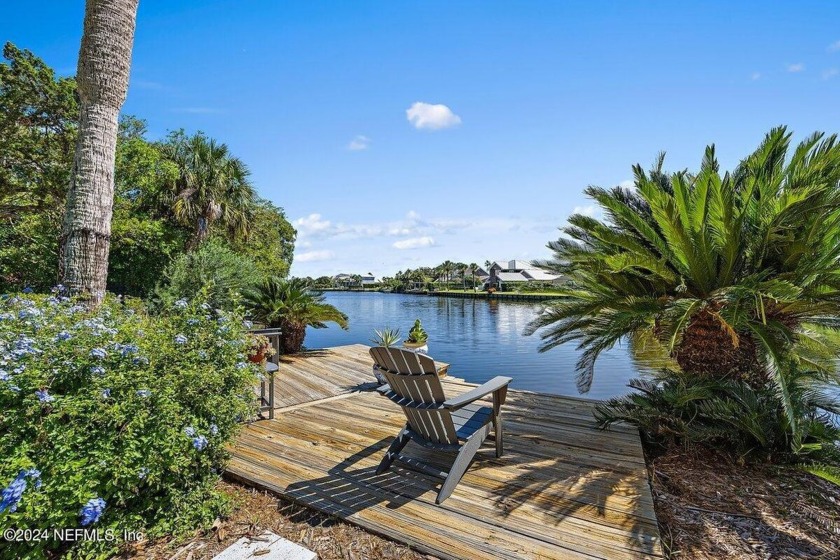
(413, 376)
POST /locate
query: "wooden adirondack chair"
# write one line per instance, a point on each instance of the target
(458, 424)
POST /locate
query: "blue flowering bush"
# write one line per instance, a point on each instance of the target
(115, 419)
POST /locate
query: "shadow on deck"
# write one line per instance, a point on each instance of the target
(562, 490)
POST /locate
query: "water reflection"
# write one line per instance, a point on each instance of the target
(483, 338)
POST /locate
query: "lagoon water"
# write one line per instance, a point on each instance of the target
(480, 339)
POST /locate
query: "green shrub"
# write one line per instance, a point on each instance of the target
(676, 408)
(213, 267)
(118, 406)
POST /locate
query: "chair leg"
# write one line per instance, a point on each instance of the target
(497, 431)
(396, 446)
(459, 467)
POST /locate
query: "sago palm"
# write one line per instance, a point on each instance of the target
(213, 187)
(292, 305)
(736, 274)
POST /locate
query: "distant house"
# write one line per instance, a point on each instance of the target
(352, 280)
(516, 272)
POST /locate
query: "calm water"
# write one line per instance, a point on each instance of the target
(479, 338)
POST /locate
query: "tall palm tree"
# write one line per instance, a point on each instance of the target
(292, 305)
(736, 274)
(473, 270)
(213, 187)
(102, 83)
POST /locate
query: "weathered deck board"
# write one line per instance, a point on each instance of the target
(324, 373)
(562, 490)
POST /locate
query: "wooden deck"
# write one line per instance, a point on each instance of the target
(562, 490)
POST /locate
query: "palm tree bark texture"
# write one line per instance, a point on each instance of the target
(102, 81)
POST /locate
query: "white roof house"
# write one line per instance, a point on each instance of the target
(514, 271)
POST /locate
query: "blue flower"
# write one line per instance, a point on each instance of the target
(181, 303)
(63, 335)
(140, 360)
(199, 442)
(106, 393)
(180, 339)
(97, 370)
(35, 475)
(143, 473)
(14, 388)
(13, 493)
(28, 312)
(190, 431)
(206, 306)
(214, 430)
(4, 375)
(99, 353)
(44, 396)
(241, 365)
(28, 290)
(92, 511)
(18, 370)
(126, 349)
(192, 321)
(143, 393)
(52, 300)
(58, 289)
(6, 316)
(247, 324)
(202, 354)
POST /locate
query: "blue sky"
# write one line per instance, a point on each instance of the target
(398, 134)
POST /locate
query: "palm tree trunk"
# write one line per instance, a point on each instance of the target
(291, 339)
(102, 83)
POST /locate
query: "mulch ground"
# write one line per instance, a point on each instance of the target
(255, 512)
(710, 508)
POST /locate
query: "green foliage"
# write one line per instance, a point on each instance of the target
(270, 241)
(117, 405)
(212, 188)
(292, 305)
(677, 408)
(831, 473)
(212, 268)
(167, 195)
(736, 274)
(38, 114)
(387, 337)
(416, 334)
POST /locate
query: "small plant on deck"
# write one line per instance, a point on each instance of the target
(387, 337)
(259, 348)
(417, 335)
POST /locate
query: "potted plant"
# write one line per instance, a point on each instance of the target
(259, 349)
(417, 338)
(388, 338)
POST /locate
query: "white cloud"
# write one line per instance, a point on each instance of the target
(590, 210)
(432, 117)
(314, 256)
(359, 143)
(798, 67)
(755, 76)
(627, 184)
(312, 224)
(830, 73)
(414, 243)
(834, 47)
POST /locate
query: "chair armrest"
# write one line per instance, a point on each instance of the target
(383, 389)
(495, 384)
